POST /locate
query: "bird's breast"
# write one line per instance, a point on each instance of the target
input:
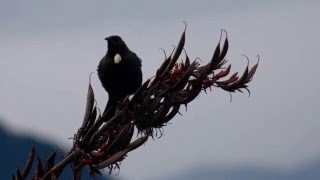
(122, 78)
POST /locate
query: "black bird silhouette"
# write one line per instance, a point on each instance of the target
(119, 72)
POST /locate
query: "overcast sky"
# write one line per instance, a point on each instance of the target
(48, 50)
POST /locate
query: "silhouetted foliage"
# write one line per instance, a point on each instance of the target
(103, 142)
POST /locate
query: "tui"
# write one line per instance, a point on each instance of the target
(119, 72)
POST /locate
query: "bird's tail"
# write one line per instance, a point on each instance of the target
(110, 108)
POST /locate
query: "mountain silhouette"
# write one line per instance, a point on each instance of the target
(15, 149)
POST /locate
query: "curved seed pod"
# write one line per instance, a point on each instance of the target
(223, 73)
(139, 92)
(126, 139)
(40, 171)
(29, 163)
(171, 114)
(165, 107)
(215, 57)
(225, 47)
(219, 66)
(240, 83)
(112, 159)
(115, 157)
(92, 118)
(89, 105)
(58, 167)
(138, 142)
(94, 169)
(177, 52)
(187, 61)
(179, 49)
(50, 162)
(191, 94)
(123, 136)
(252, 71)
(218, 55)
(235, 83)
(232, 79)
(184, 79)
(19, 175)
(106, 125)
(163, 66)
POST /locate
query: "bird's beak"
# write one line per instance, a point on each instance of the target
(107, 38)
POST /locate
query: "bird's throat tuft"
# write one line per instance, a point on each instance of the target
(117, 59)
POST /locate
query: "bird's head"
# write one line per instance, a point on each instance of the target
(116, 45)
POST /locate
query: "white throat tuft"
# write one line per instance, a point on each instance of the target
(117, 59)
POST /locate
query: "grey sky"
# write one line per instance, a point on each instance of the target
(48, 49)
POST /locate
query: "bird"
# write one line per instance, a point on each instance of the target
(119, 72)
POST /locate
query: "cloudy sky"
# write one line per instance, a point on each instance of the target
(48, 50)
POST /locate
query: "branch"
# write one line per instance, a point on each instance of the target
(104, 142)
